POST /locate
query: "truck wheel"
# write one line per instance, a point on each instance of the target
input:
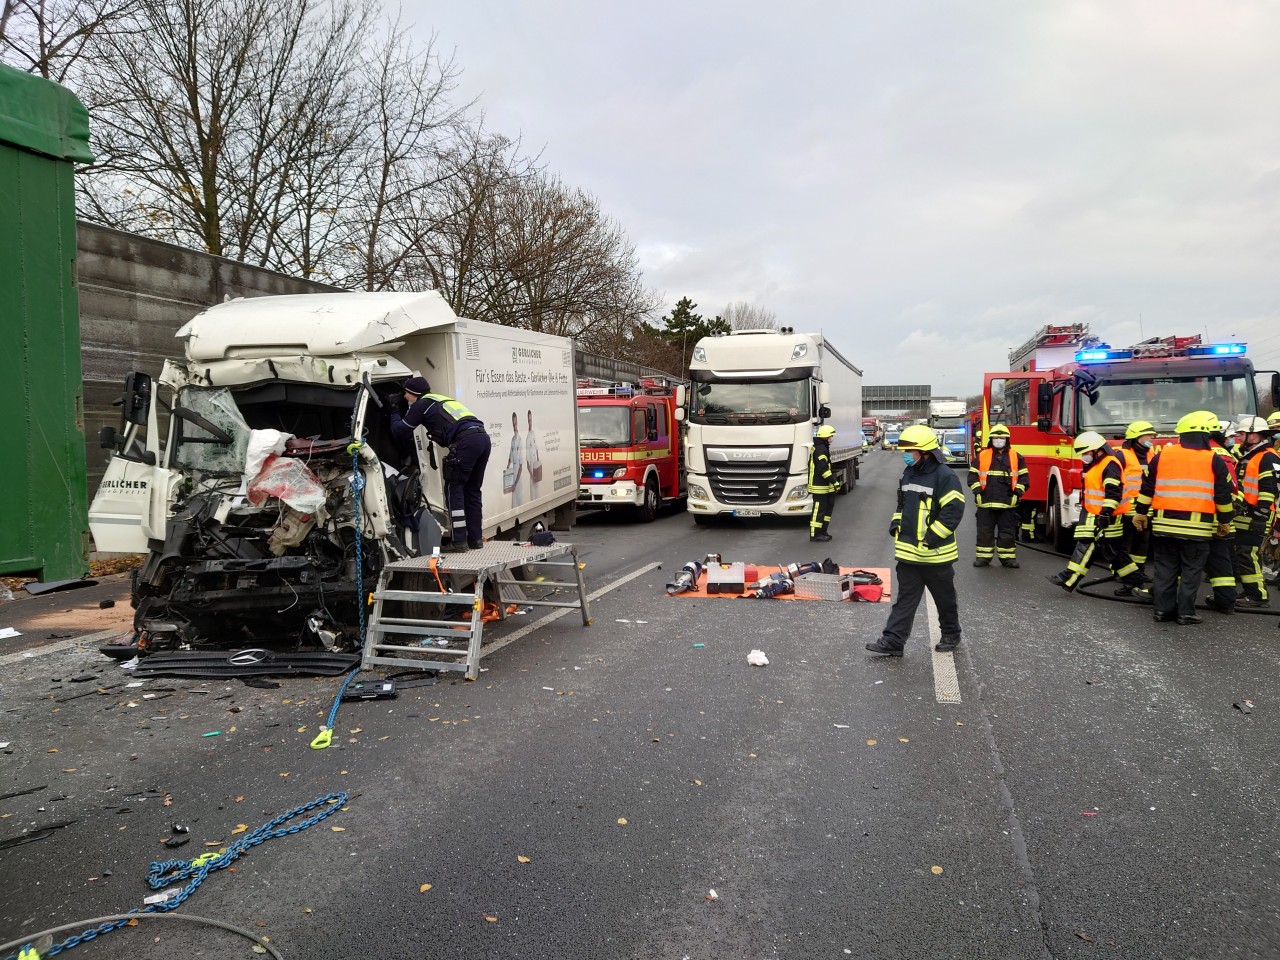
(1054, 531)
(648, 510)
(849, 479)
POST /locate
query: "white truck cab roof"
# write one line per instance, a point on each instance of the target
(312, 324)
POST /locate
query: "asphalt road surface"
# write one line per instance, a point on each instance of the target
(1075, 782)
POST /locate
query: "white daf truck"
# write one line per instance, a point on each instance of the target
(234, 469)
(755, 399)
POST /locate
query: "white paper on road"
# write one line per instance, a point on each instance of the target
(8, 633)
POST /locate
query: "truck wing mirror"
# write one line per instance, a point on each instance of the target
(1044, 400)
(679, 412)
(824, 411)
(680, 396)
(824, 395)
(1043, 424)
(136, 400)
(107, 438)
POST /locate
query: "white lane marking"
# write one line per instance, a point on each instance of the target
(946, 685)
(592, 597)
(61, 645)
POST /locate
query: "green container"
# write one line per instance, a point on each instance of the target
(44, 130)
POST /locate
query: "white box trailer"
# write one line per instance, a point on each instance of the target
(755, 398)
(322, 369)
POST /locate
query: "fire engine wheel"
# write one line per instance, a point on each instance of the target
(1059, 536)
(648, 511)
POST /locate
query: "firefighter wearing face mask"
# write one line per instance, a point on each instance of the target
(930, 507)
(823, 484)
(998, 480)
(1220, 570)
(1103, 505)
(1258, 472)
(1135, 450)
(1187, 500)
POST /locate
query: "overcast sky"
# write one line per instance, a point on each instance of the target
(926, 183)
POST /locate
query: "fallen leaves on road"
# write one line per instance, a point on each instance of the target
(523, 859)
(871, 743)
(424, 888)
(490, 919)
(338, 829)
(936, 870)
(239, 828)
(622, 821)
(240, 799)
(1084, 936)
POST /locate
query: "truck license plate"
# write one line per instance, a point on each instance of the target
(746, 513)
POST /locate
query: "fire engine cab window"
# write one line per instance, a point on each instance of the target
(603, 426)
(1011, 402)
(1164, 401)
(781, 401)
(637, 425)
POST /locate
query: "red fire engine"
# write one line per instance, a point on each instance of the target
(629, 440)
(1105, 390)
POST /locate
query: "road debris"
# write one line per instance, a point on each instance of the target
(757, 658)
(1244, 706)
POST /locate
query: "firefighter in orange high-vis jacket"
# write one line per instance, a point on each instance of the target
(1187, 500)
(1104, 504)
(1134, 453)
(1258, 471)
(998, 480)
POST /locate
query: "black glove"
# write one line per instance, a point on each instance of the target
(894, 528)
(1105, 520)
(931, 542)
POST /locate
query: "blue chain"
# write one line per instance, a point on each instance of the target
(357, 486)
(164, 873)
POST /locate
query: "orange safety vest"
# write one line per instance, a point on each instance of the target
(1095, 496)
(1184, 481)
(1251, 487)
(1132, 473)
(984, 466)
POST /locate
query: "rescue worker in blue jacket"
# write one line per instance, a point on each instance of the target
(930, 507)
(450, 424)
(823, 484)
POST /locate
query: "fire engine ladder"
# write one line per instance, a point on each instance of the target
(429, 619)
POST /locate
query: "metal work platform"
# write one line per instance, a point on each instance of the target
(420, 604)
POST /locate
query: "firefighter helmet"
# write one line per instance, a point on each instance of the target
(1225, 426)
(1273, 418)
(1253, 425)
(1198, 421)
(997, 430)
(917, 437)
(1140, 428)
(1089, 441)
(825, 432)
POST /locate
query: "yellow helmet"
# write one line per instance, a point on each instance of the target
(1088, 442)
(1140, 428)
(998, 430)
(825, 432)
(1273, 418)
(917, 437)
(1198, 421)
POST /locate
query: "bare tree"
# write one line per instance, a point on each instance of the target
(226, 123)
(48, 36)
(746, 316)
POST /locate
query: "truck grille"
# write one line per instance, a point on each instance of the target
(747, 477)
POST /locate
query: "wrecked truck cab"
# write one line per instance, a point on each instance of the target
(255, 529)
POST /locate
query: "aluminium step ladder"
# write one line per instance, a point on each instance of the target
(399, 635)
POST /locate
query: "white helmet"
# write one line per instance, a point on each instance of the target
(1224, 426)
(1253, 425)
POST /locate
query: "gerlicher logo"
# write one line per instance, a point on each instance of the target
(525, 355)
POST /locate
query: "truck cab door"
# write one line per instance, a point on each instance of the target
(125, 503)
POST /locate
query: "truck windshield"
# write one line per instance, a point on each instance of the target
(738, 402)
(1164, 401)
(604, 426)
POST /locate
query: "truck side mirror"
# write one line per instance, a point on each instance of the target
(824, 395)
(107, 438)
(824, 411)
(679, 413)
(680, 397)
(137, 399)
(1043, 424)
(1044, 400)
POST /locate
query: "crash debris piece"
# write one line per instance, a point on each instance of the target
(757, 658)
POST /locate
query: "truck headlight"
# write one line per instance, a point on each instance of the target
(620, 472)
(798, 493)
(698, 492)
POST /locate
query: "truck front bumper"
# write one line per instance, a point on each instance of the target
(702, 501)
(620, 493)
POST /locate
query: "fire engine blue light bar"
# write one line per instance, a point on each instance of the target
(1102, 356)
(1217, 350)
